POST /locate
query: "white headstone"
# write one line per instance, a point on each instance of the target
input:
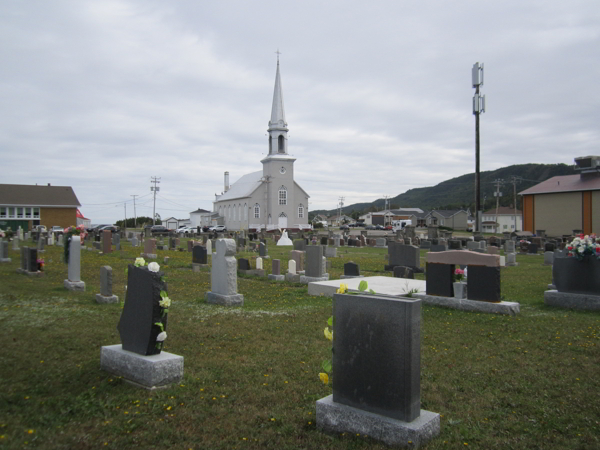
(292, 267)
(259, 263)
(209, 247)
(75, 259)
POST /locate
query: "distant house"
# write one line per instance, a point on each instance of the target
(507, 220)
(200, 218)
(339, 220)
(386, 217)
(565, 203)
(456, 219)
(26, 206)
(81, 220)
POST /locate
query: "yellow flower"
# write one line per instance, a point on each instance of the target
(343, 289)
(328, 334)
(324, 378)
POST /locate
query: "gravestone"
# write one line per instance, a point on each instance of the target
(548, 258)
(404, 255)
(224, 276)
(106, 283)
(324, 241)
(351, 270)
(511, 259)
(134, 241)
(73, 282)
(209, 247)
(299, 244)
(106, 241)
(330, 252)
(4, 252)
(259, 263)
(15, 242)
(404, 272)
(380, 243)
(549, 247)
(376, 372)
(243, 264)
(40, 245)
(199, 257)
(532, 249)
(117, 241)
(190, 245)
(140, 359)
(262, 250)
(59, 241)
(438, 248)
(150, 249)
(276, 271)
(298, 256)
(509, 246)
(314, 270)
(292, 276)
(491, 250)
(472, 245)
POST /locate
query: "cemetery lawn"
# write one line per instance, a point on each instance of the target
(251, 374)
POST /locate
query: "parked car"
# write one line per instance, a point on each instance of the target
(111, 228)
(218, 228)
(371, 227)
(206, 229)
(57, 229)
(344, 227)
(159, 230)
(41, 228)
(186, 230)
(97, 227)
(388, 227)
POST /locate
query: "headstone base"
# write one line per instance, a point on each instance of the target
(150, 372)
(224, 300)
(342, 277)
(106, 299)
(31, 274)
(5, 260)
(292, 277)
(253, 272)
(305, 280)
(508, 308)
(276, 277)
(338, 418)
(74, 285)
(196, 267)
(149, 255)
(585, 302)
(390, 268)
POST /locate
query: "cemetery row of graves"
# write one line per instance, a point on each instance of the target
(246, 333)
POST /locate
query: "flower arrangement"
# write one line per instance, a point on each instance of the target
(40, 263)
(459, 274)
(69, 232)
(2, 233)
(327, 365)
(583, 246)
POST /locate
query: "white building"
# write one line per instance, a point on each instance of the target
(200, 218)
(503, 222)
(268, 198)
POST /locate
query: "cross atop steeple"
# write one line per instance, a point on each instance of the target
(278, 53)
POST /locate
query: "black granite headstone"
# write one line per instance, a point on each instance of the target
(262, 249)
(549, 247)
(351, 269)
(243, 264)
(32, 264)
(377, 355)
(199, 255)
(142, 311)
(533, 248)
(404, 272)
(483, 283)
(439, 279)
(323, 240)
(574, 276)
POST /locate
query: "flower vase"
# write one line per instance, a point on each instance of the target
(460, 289)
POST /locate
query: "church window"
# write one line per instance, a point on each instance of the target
(257, 211)
(270, 144)
(245, 211)
(301, 211)
(280, 144)
(283, 195)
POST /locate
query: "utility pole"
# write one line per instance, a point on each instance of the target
(341, 205)
(514, 180)
(125, 223)
(154, 188)
(478, 108)
(497, 194)
(386, 205)
(134, 213)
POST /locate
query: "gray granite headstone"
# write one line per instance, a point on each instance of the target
(314, 261)
(199, 255)
(243, 264)
(377, 355)
(106, 281)
(404, 272)
(351, 269)
(276, 267)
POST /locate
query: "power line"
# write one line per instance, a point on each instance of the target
(154, 180)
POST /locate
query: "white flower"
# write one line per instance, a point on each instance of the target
(153, 267)
(165, 302)
(581, 249)
(161, 336)
(139, 262)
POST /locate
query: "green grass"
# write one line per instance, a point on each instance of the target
(251, 373)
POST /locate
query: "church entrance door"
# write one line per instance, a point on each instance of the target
(283, 221)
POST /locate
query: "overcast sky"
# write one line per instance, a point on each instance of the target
(103, 95)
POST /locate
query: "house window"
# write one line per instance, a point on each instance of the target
(2, 211)
(257, 211)
(280, 144)
(301, 211)
(283, 195)
(28, 213)
(19, 213)
(505, 227)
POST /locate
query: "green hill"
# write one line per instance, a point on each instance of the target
(459, 192)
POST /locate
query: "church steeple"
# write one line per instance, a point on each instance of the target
(277, 125)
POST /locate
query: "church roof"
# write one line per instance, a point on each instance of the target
(277, 111)
(244, 187)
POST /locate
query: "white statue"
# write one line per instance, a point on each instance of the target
(284, 239)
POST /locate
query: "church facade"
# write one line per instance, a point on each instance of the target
(269, 198)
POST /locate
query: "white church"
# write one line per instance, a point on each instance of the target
(269, 198)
